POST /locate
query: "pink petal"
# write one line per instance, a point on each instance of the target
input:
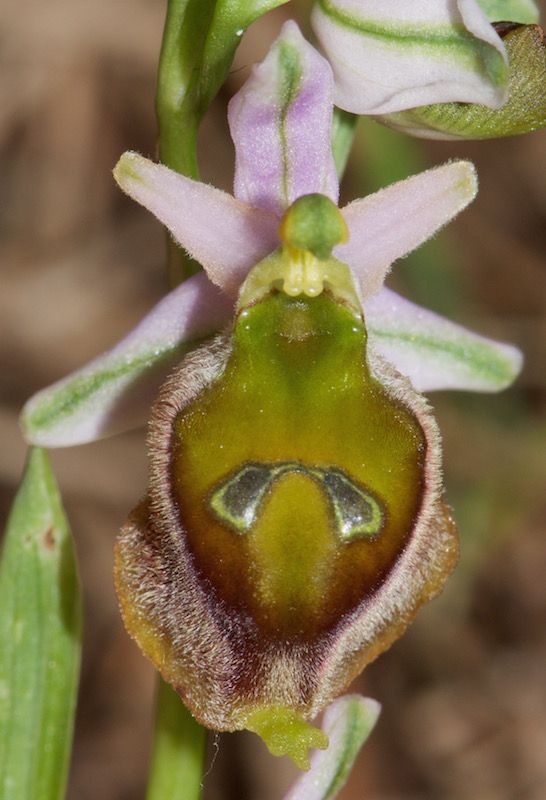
(227, 237)
(114, 392)
(281, 123)
(394, 221)
(435, 353)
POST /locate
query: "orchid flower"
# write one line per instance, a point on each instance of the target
(437, 68)
(295, 521)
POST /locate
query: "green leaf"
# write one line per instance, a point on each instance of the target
(40, 630)
(523, 11)
(179, 749)
(523, 112)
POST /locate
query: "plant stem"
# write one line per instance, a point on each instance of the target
(179, 750)
(179, 741)
(199, 43)
(179, 108)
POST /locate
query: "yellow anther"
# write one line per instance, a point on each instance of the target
(304, 273)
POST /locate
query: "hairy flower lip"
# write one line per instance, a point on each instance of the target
(368, 629)
(430, 556)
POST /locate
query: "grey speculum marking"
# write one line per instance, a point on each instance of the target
(237, 500)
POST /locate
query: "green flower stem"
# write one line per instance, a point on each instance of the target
(199, 42)
(40, 631)
(177, 104)
(179, 741)
(179, 750)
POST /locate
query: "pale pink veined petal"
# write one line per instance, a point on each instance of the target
(435, 353)
(281, 124)
(226, 236)
(113, 392)
(394, 221)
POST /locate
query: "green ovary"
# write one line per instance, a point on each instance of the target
(296, 419)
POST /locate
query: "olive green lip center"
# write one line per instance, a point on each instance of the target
(297, 474)
(237, 500)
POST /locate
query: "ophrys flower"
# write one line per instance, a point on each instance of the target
(295, 519)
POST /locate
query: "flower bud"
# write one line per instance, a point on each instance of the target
(294, 522)
(523, 112)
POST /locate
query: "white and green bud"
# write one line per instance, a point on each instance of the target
(524, 110)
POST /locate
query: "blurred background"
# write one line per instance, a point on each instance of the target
(464, 691)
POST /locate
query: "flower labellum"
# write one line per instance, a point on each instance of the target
(295, 520)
